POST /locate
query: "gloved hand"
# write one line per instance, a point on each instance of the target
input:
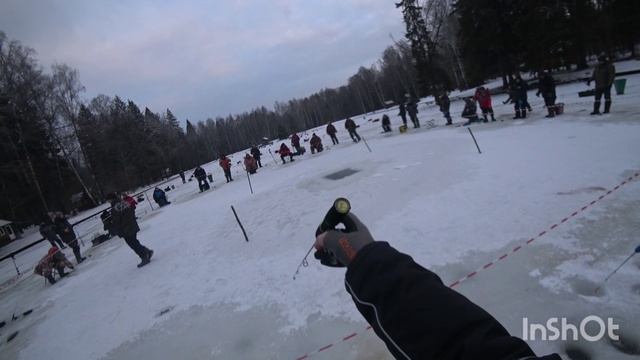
(337, 248)
(638, 249)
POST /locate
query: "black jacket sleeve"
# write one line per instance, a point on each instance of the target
(418, 317)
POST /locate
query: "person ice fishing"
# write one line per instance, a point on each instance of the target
(408, 306)
(48, 231)
(66, 233)
(255, 152)
(603, 75)
(547, 87)
(201, 176)
(315, 144)
(412, 110)
(444, 103)
(295, 143)
(470, 111)
(516, 97)
(483, 97)
(55, 259)
(250, 164)
(160, 197)
(124, 225)
(351, 126)
(225, 164)
(284, 152)
(386, 123)
(403, 113)
(331, 131)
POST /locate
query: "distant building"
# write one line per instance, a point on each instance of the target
(7, 234)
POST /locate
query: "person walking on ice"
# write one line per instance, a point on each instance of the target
(331, 131)
(124, 225)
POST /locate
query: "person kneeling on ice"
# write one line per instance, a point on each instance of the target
(55, 259)
(124, 225)
(250, 164)
(408, 306)
(160, 197)
(315, 143)
(284, 152)
(470, 111)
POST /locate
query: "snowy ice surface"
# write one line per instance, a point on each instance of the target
(208, 294)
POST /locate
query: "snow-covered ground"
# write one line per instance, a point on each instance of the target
(209, 294)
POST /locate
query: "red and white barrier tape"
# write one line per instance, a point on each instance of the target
(490, 264)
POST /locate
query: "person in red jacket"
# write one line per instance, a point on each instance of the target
(250, 164)
(483, 97)
(284, 152)
(331, 131)
(295, 142)
(225, 164)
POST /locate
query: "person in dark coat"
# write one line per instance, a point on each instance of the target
(331, 131)
(184, 180)
(124, 225)
(403, 113)
(255, 152)
(351, 126)
(295, 143)
(201, 176)
(160, 197)
(412, 110)
(470, 111)
(315, 143)
(48, 231)
(444, 103)
(225, 164)
(516, 97)
(284, 152)
(603, 75)
(408, 306)
(66, 233)
(386, 123)
(250, 164)
(55, 259)
(547, 87)
(483, 97)
(107, 223)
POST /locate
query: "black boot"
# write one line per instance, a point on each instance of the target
(51, 279)
(485, 118)
(493, 118)
(596, 108)
(551, 112)
(146, 259)
(607, 106)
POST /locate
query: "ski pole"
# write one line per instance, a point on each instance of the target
(474, 140)
(248, 178)
(274, 159)
(365, 142)
(637, 250)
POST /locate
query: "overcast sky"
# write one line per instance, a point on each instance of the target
(205, 58)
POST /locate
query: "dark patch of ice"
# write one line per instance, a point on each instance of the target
(341, 174)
